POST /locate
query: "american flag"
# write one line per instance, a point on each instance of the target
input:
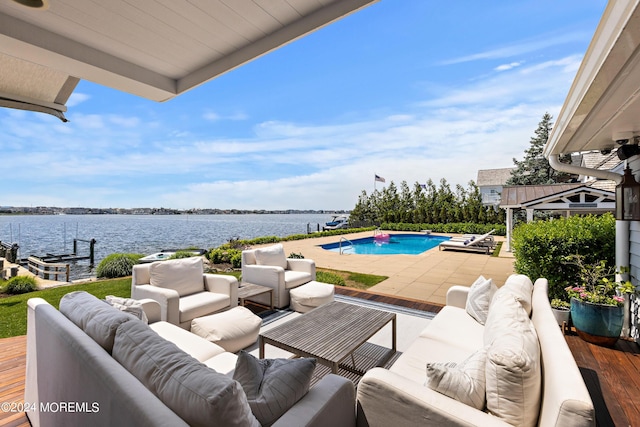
(379, 178)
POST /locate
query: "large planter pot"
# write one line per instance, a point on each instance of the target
(597, 323)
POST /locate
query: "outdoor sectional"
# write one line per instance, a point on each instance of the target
(512, 366)
(90, 364)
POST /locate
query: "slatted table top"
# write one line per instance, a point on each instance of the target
(330, 332)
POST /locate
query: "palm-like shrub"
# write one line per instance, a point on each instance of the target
(21, 285)
(117, 265)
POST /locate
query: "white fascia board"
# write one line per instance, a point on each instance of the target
(31, 43)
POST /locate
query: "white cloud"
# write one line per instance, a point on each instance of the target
(128, 161)
(521, 48)
(506, 67)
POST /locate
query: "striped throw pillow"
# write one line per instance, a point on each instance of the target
(479, 298)
(464, 382)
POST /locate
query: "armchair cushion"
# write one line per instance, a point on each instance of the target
(271, 255)
(201, 304)
(182, 275)
(293, 279)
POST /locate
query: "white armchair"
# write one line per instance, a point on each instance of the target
(182, 289)
(270, 267)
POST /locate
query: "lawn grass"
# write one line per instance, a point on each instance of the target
(13, 309)
(356, 280)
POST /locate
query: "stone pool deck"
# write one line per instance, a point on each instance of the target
(425, 277)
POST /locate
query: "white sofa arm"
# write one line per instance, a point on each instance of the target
(387, 399)
(169, 300)
(457, 296)
(305, 265)
(223, 284)
(151, 309)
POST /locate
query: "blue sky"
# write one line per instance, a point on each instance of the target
(406, 89)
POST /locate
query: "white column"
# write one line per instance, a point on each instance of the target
(507, 243)
(529, 215)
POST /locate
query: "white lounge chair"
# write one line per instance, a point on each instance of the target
(479, 244)
(488, 239)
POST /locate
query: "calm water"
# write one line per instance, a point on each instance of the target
(408, 244)
(145, 234)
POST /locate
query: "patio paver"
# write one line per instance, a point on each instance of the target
(411, 276)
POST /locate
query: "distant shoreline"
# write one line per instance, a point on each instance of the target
(159, 211)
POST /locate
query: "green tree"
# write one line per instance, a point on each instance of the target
(535, 168)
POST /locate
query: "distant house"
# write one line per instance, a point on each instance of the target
(490, 183)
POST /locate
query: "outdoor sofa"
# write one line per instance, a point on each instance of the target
(512, 366)
(90, 364)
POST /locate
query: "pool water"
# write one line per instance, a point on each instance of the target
(408, 244)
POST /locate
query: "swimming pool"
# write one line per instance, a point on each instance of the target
(408, 244)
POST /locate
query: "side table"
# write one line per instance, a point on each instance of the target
(248, 290)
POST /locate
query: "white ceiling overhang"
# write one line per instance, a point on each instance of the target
(156, 49)
(603, 104)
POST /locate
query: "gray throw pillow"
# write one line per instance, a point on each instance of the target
(273, 386)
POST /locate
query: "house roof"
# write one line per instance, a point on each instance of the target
(597, 160)
(516, 195)
(488, 177)
(603, 103)
(156, 49)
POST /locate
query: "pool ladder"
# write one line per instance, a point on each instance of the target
(346, 240)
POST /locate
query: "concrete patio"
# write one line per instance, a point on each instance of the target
(426, 276)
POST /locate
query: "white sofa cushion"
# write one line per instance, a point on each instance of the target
(196, 347)
(521, 287)
(480, 295)
(464, 382)
(513, 368)
(95, 317)
(232, 330)
(451, 336)
(197, 394)
(271, 255)
(182, 275)
(273, 386)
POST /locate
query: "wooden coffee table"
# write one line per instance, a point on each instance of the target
(248, 290)
(331, 333)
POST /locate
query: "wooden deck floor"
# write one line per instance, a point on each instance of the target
(612, 375)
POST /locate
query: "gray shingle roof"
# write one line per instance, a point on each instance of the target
(493, 176)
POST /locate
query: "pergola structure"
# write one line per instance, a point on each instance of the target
(567, 199)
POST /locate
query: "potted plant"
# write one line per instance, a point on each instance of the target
(561, 310)
(597, 302)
